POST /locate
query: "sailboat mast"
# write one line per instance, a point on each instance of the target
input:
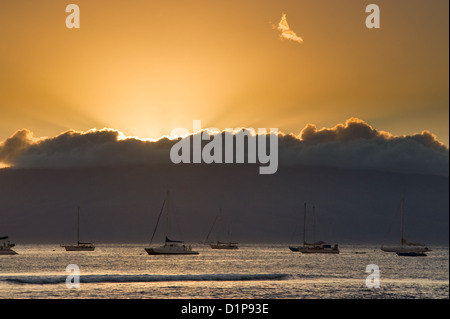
(157, 222)
(212, 227)
(304, 225)
(167, 215)
(402, 209)
(78, 225)
(314, 224)
(219, 228)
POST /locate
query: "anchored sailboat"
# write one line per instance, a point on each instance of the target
(5, 247)
(219, 244)
(318, 247)
(79, 246)
(406, 248)
(170, 247)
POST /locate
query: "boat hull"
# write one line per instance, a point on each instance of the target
(156, 251)
(171, 249)
(407, 251)
(314, 250)
(79, 248)
(5, 248)
(7, 252)
(224, 246)
(411, 254)
(318, 251)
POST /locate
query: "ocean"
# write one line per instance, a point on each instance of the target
(251, 272)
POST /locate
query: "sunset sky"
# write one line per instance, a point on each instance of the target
(146, 67)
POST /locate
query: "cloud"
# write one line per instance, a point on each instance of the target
(357, 145)
(286, 32)
(350, 145)
(15, 145)
(71, 149)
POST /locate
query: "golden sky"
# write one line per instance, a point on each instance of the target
(145, 67)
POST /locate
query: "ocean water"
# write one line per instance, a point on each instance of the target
(253, 271)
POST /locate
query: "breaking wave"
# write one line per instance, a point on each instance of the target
(45, 280)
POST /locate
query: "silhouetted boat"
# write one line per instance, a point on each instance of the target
(412, 253)
(219, 244)
(79, 246)
(5, 247)
(318, 247)
(406, 248)
(170, 247)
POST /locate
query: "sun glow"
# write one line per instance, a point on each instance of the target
(4, 165)
(148, 74)
(122, 136)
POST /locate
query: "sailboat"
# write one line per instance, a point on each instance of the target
(79, 246)
(318, 247)
(406, 248)
(219, 244)
(5, 247)
(170, 247)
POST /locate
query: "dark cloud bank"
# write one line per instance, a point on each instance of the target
(353, 174)
(353, 145)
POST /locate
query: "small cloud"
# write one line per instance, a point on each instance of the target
(286, 32)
